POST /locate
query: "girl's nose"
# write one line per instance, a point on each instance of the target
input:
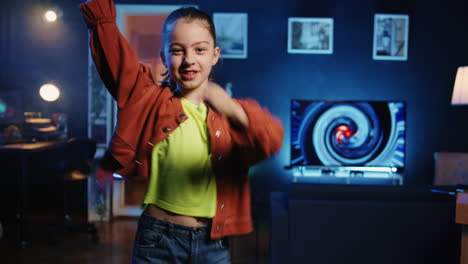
(189, 58)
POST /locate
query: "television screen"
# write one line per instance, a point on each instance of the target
(348, 133)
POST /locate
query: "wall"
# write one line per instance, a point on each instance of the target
(33, 53)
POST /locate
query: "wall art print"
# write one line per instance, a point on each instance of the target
(231, 34)
(310, 35)
(390, 37)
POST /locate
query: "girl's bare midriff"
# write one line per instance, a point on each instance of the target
(179, 219)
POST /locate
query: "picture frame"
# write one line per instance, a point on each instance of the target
(141, 25)
(390, 41)
(310, 35)
(232, 34)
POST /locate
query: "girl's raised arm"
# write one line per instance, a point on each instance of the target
(115, 60)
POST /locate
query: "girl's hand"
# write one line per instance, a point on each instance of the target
(220, 100)
(103, 178)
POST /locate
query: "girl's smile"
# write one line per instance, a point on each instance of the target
(188, 74)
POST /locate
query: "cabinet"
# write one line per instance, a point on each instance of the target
(363, 224)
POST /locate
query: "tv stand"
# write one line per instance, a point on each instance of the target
(347, 175)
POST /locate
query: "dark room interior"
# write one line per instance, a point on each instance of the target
(296, 220)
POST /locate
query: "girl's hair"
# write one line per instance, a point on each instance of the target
(189, 14)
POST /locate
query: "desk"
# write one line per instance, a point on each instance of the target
(461, 217)
(22, 153)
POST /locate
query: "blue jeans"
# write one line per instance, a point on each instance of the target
(158, 241)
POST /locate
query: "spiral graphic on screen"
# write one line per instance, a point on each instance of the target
(347, 133)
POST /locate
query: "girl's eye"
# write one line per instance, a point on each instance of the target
(199, 50)
(175, 51)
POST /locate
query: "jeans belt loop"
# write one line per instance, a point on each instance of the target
(170, 228)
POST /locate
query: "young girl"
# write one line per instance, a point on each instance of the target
(190, 140)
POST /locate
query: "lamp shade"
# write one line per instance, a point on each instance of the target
(49, 92)
(460, 89)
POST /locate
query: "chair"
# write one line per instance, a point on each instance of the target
(74, 169)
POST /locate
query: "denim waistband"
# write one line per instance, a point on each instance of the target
(147, 221)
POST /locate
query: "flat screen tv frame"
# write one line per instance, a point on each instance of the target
(348, 133)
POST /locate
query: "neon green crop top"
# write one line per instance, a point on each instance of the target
(181, 178)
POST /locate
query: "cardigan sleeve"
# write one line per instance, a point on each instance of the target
(262, 138)
(117, 63)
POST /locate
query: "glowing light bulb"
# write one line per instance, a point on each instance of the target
(49, 92)
(50, 16)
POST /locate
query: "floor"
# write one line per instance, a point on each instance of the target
(114, 247)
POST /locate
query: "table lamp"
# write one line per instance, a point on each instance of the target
(460, 89)
(460, 97)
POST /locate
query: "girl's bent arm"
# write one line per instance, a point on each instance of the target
(256, 132)
(218, 98)
(262, 138)
(113, 56)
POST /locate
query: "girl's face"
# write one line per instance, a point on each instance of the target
(189, 54)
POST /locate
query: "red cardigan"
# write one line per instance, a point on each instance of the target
(148, 113)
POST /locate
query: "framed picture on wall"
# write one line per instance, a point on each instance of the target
(231, 34)
(311, 35)
(390, 37)
(141, 25)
